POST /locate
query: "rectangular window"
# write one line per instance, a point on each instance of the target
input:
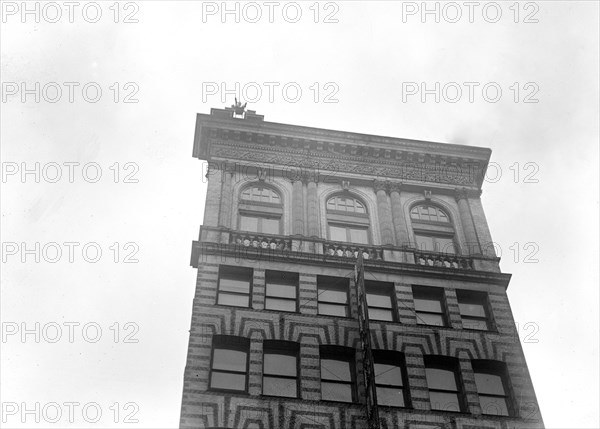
(390, 378)
(442, 381)
(349, 234)
(380, 298)
(434, 243)
(265, 225)
(337, 374)
(490, 378)
(249, 223)
(281, 291)
(429, 305)
(473, 310)
(337, 233)
(280, 369)
(229, 363)
(333, 296)
(234, 286)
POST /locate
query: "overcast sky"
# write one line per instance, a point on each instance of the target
(541, 197)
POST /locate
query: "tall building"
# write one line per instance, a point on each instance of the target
(295, 218)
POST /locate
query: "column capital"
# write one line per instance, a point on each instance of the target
(380, 185)
(395, 187)
(464, 193)
(310, 176)
(229, 167)
(299, 177)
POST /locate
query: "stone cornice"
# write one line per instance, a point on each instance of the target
(344, 146)
(344, 137)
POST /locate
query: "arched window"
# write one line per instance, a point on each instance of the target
(260, 210)
(345, 204)
(260, 194)
(347, 219)
(429, 213)
(433, 229)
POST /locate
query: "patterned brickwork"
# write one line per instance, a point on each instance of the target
(311, 330)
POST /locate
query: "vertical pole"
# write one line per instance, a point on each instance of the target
(365, 338)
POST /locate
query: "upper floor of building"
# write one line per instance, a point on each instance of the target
(289, 188)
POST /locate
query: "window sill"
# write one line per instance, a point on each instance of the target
(332, 401)
(238, 392)
(262, 395)
(334, 317)
(231, 306)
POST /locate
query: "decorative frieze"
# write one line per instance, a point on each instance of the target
(461, 175)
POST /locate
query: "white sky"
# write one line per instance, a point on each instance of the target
(368, 54)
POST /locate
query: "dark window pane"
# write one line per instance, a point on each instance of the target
(336, 370)
(388, 374)
(333, 310)
(480, 325)
(430, 319)
(234, 285)
(489, 383)
(430, 304)
(379, 314)
(280, 387)
(280, 364)
(281, 290)
(493, 406)
(471, 309)
(280, 304)
(444, 401)
(440, 379)
(390, 396)
(234, 300)
(336, 392)
(224, 380)
(328, 295)
(229, 359)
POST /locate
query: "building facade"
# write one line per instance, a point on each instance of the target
(275, 339)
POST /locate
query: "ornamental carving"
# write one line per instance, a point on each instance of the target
(395, 187)
(380, 185)
(316, 162)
